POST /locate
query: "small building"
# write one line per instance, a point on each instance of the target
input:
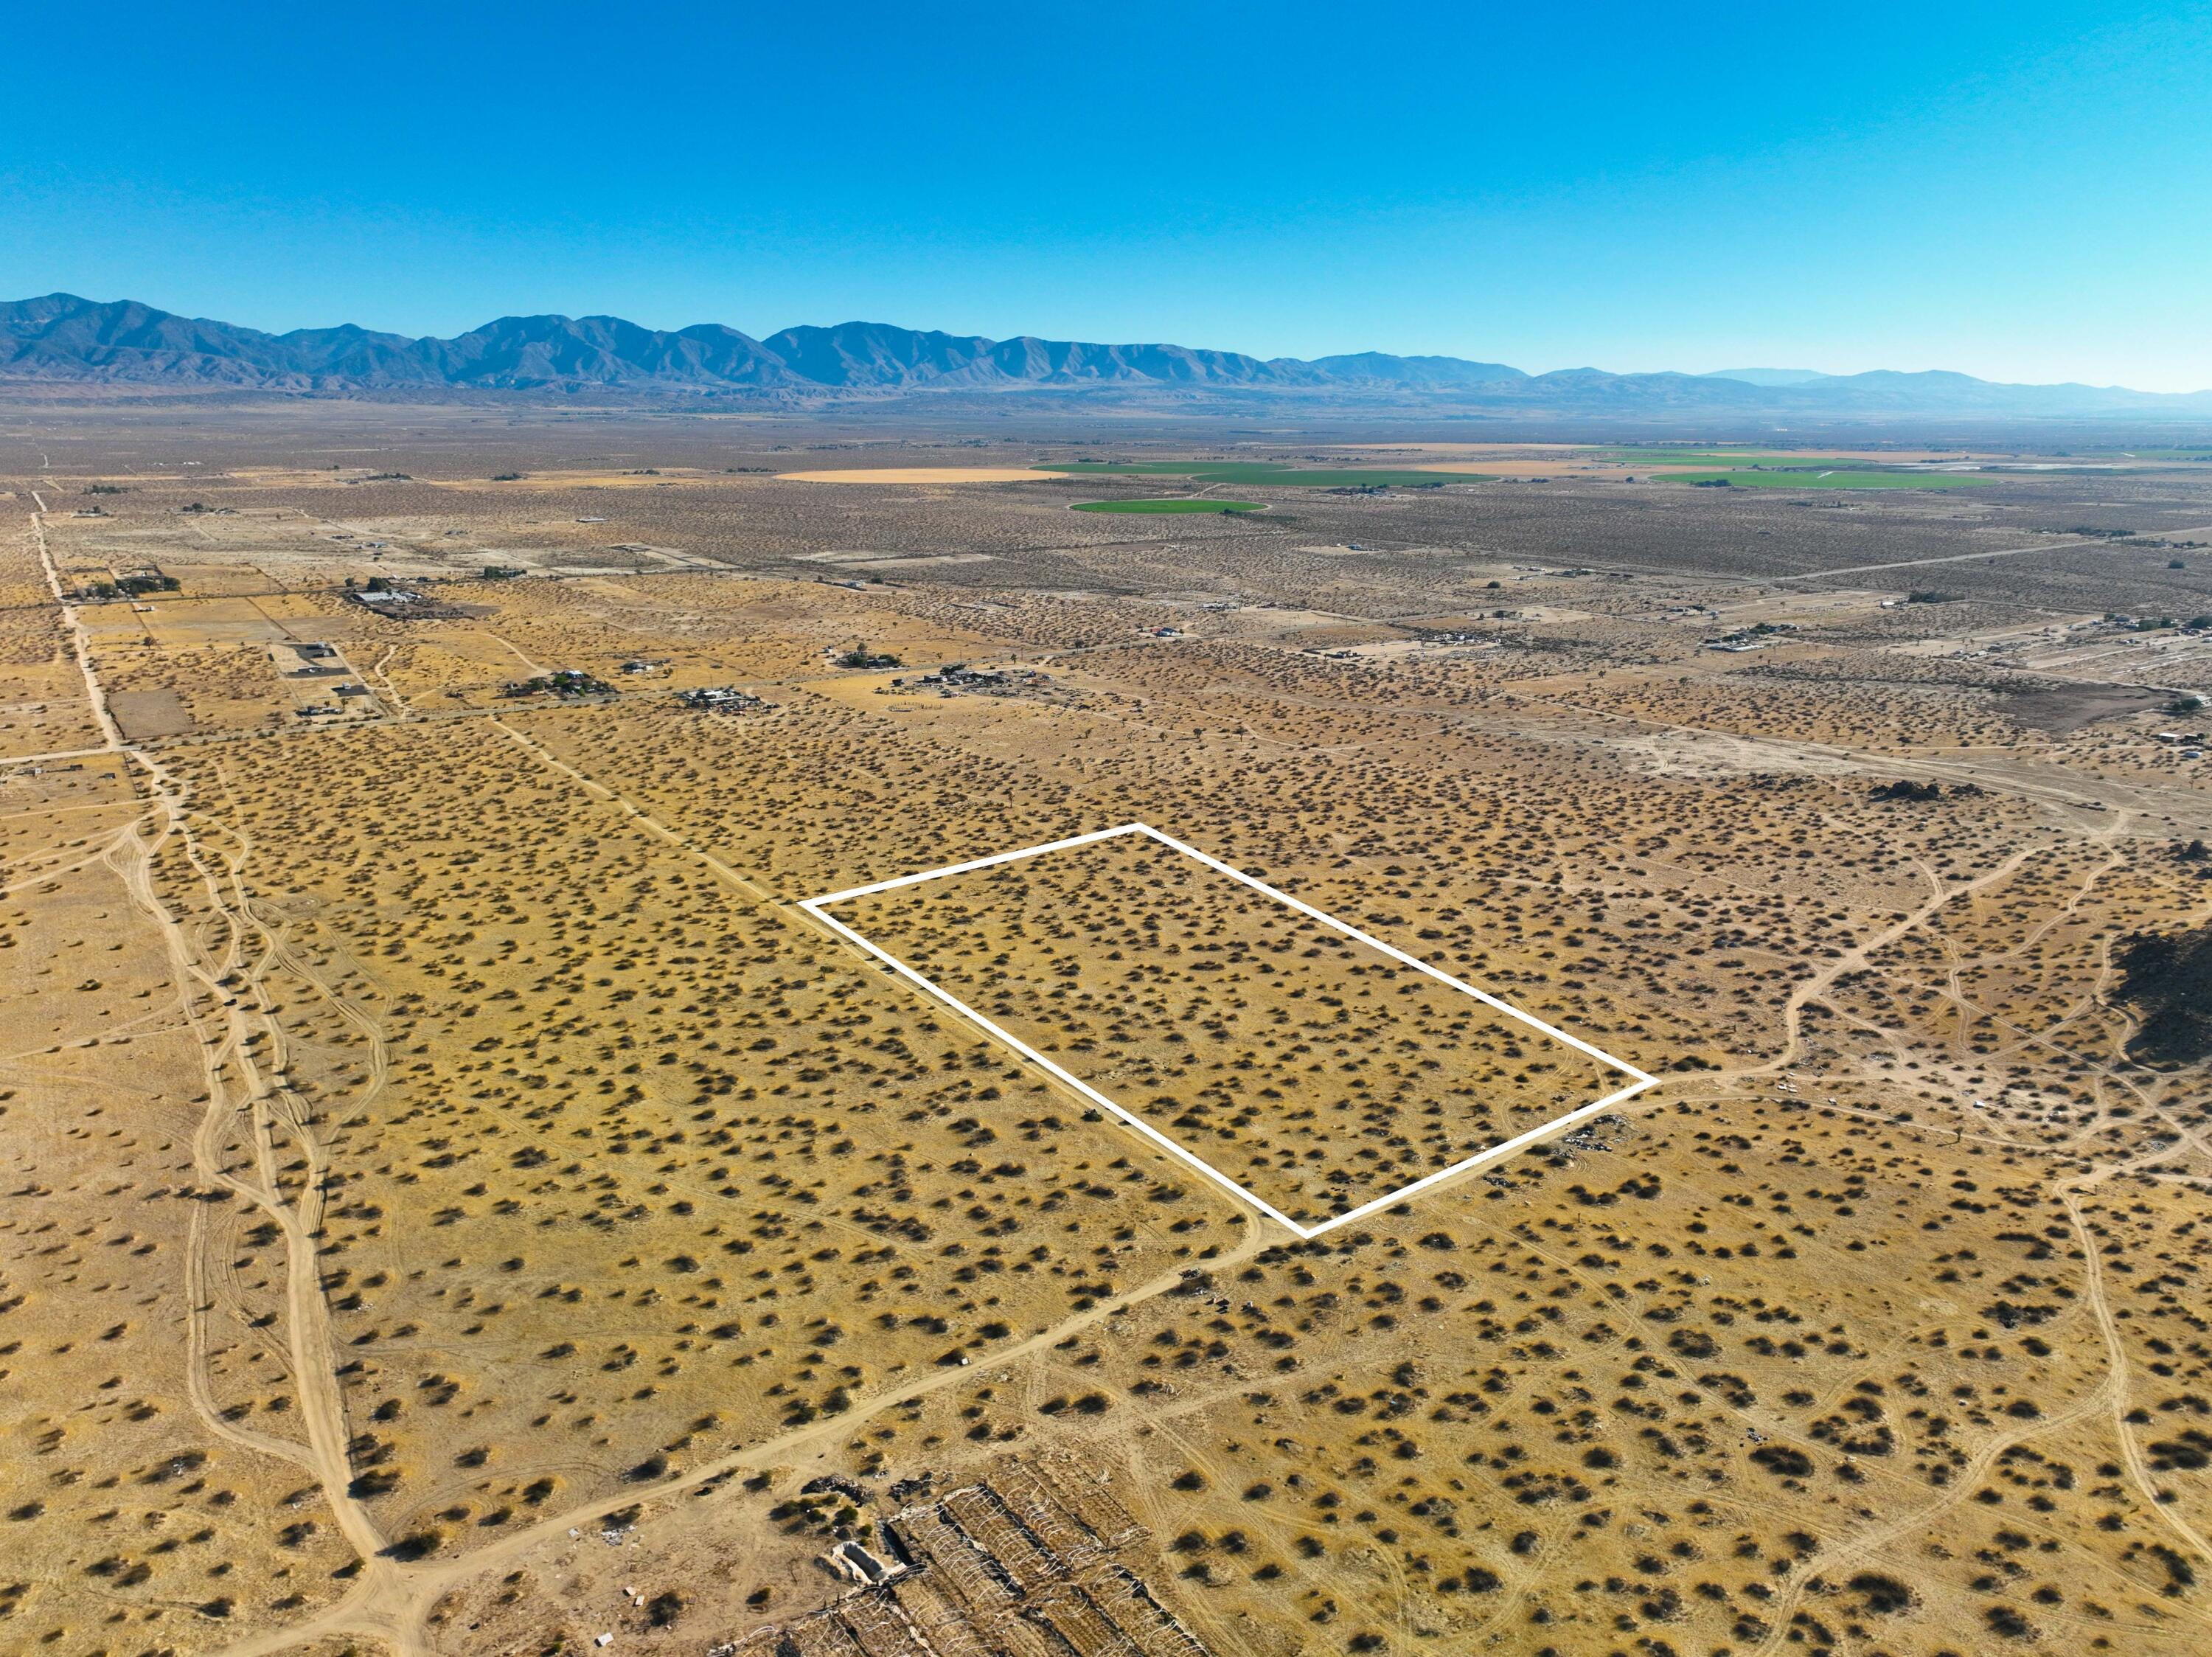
(852, 1559)
(721, 698)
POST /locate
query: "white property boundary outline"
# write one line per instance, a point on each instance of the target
(817, 908)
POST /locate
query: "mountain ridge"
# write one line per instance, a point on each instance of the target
(62, 338)
(1767, 376)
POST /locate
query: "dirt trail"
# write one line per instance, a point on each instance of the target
(1776, 1612)
(400, 711)
(80, 639)
(228, 1027)
(2057, 543)
(651, 824)
(1855, 960)
(393, 1604)
(529, 668)
(2111, 1395)
(240, 1085)
(2101, 1307)
(391, 1601)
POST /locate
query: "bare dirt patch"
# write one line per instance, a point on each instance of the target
(2061, 709)
(918, 475)
(150, 713)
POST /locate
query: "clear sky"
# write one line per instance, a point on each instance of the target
(2020, 191)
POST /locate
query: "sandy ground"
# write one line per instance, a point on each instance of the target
(459, 1204)
(916, 475)
(638, 477)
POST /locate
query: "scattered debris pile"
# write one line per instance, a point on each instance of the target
(722, 699)
(1015, 1566)
(959, 679)
(1756, 636)
(1601, 1134)
(402, 604)
(1604, 1133)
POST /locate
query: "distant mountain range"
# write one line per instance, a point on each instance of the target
(61, 339)
(1770, 376)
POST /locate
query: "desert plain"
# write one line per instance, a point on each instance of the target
(458, 1200)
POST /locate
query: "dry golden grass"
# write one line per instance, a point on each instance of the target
(139, 1513)
(428, 1139)
(1308, 1067)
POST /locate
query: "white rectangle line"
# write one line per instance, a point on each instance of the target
(1044, 1064)
(973, 863)
(816, 907)
(1417, 965)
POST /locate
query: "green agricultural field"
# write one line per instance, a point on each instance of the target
(1180, 504)
(1838, 477)
(1263, 471)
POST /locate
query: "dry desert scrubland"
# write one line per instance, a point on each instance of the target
(458, 1201)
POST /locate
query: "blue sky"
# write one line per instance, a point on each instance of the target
(2023, 191)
